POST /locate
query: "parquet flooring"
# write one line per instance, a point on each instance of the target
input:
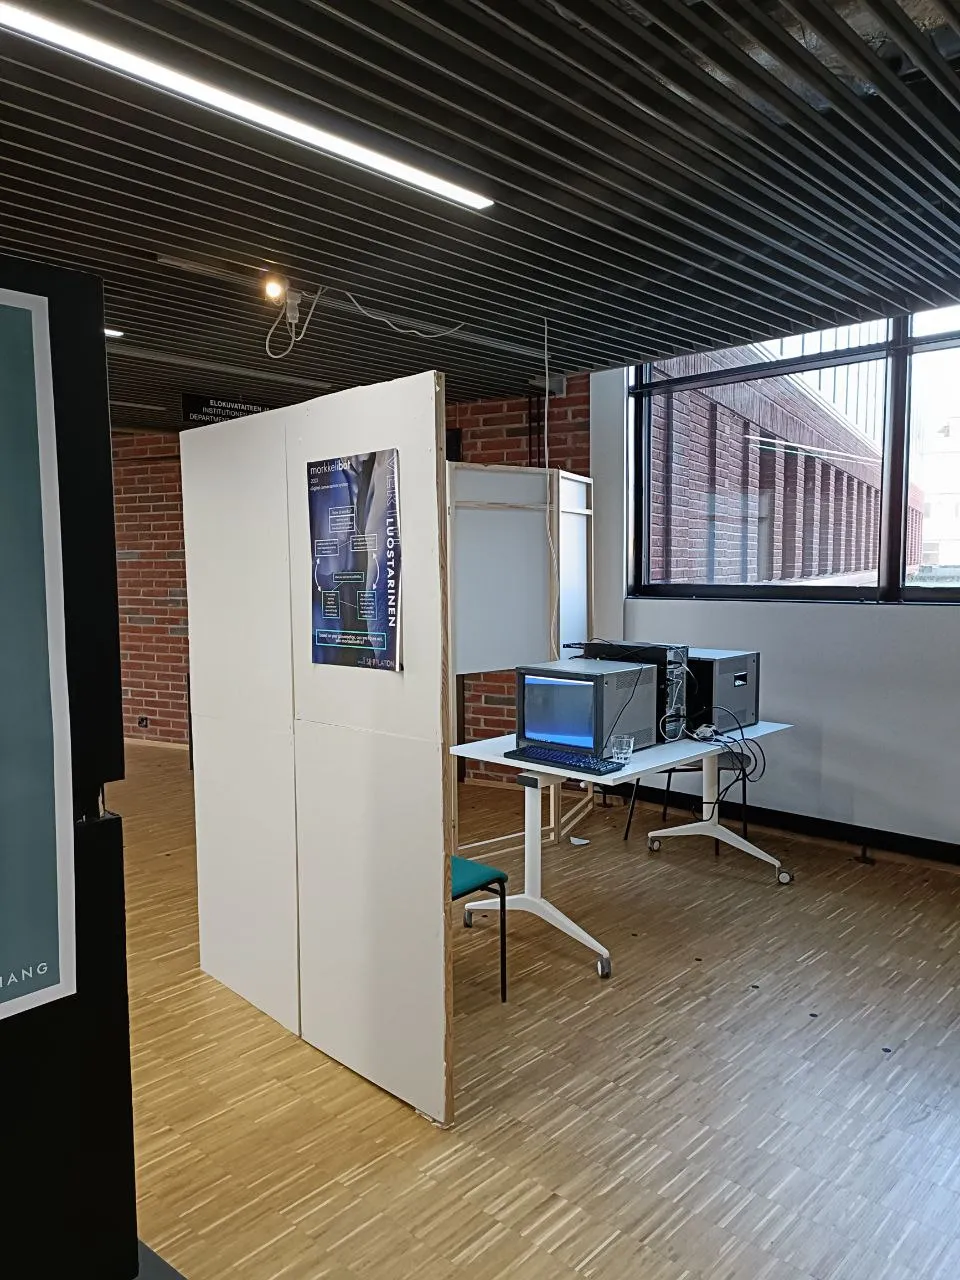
(768, 1089)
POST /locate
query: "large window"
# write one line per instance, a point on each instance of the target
(825, 466)
(933, 470)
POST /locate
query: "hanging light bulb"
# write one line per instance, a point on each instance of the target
(275, 288)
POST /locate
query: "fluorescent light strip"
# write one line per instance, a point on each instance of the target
(113, 333)
(131, 64)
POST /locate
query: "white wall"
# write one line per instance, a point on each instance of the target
(871, 689)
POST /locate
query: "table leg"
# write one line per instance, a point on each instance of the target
(710, 824)
(531, 899)
(532, 839)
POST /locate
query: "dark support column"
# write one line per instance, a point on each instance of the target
(828, 502)
(861, 528)
(894, 464)
(767, 531)
(777, 510)
(913, 538)
(793, 511)
(711, 495)
(851, 527)
(749, 504)
(839, 522)
(877, 505)
(811, 516)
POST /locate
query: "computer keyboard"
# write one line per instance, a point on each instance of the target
(561, 759)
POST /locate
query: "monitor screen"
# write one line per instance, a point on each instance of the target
(558, 711)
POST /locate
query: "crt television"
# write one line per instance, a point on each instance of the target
(579, 704)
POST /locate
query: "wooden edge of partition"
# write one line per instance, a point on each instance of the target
(447, 737)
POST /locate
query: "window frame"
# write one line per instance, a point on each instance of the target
(896, 350)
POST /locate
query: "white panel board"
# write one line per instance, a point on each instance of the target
(247, 862)
(371, 906)
(575, 493)
(238, 590)
(374, 826)
(499, 588)
(390, 415)
(501, 567)
(608, 468)
(524, 485)
(238, 584)
(574, 577)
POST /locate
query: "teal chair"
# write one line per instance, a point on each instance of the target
(471, 877)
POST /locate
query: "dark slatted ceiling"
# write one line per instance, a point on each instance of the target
(668, 176)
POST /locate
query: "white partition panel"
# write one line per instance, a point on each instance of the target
(235, 532)
(575, 547)
(372, 906)
(235, 526)
(374, 819)
(246, 862)
(502, 581)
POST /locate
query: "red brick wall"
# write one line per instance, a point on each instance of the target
(497, 432)
(153, 587)
(734, 502)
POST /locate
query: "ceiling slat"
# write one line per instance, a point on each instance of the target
(667, 177)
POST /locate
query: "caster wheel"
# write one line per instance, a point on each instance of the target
(467, 918)
(604, 968)
(784, 877)
(653, 846)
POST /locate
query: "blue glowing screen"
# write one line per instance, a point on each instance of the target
(558, 711)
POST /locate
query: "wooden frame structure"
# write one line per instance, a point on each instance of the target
(542, 621)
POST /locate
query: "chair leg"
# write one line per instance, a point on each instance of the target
(502, 890)
(666, 795)
(743, 806)
(633, 801)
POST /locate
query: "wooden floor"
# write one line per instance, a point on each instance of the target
(768, 1089)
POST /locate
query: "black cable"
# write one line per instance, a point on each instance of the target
(632, 695)
(741, 751)
(723, 792)
(749, 747)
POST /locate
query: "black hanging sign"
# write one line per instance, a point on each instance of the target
(197, 411)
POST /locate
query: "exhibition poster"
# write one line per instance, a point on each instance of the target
(37, 941)
(355, 550)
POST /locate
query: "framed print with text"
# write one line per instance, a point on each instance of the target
(37, 937)
(355, 554)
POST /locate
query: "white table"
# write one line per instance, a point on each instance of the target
(664, 755)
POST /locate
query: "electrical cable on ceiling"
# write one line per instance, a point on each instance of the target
(289, 302)
(555, 614)
(546, 397)
(290, 312)
(413, 333)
